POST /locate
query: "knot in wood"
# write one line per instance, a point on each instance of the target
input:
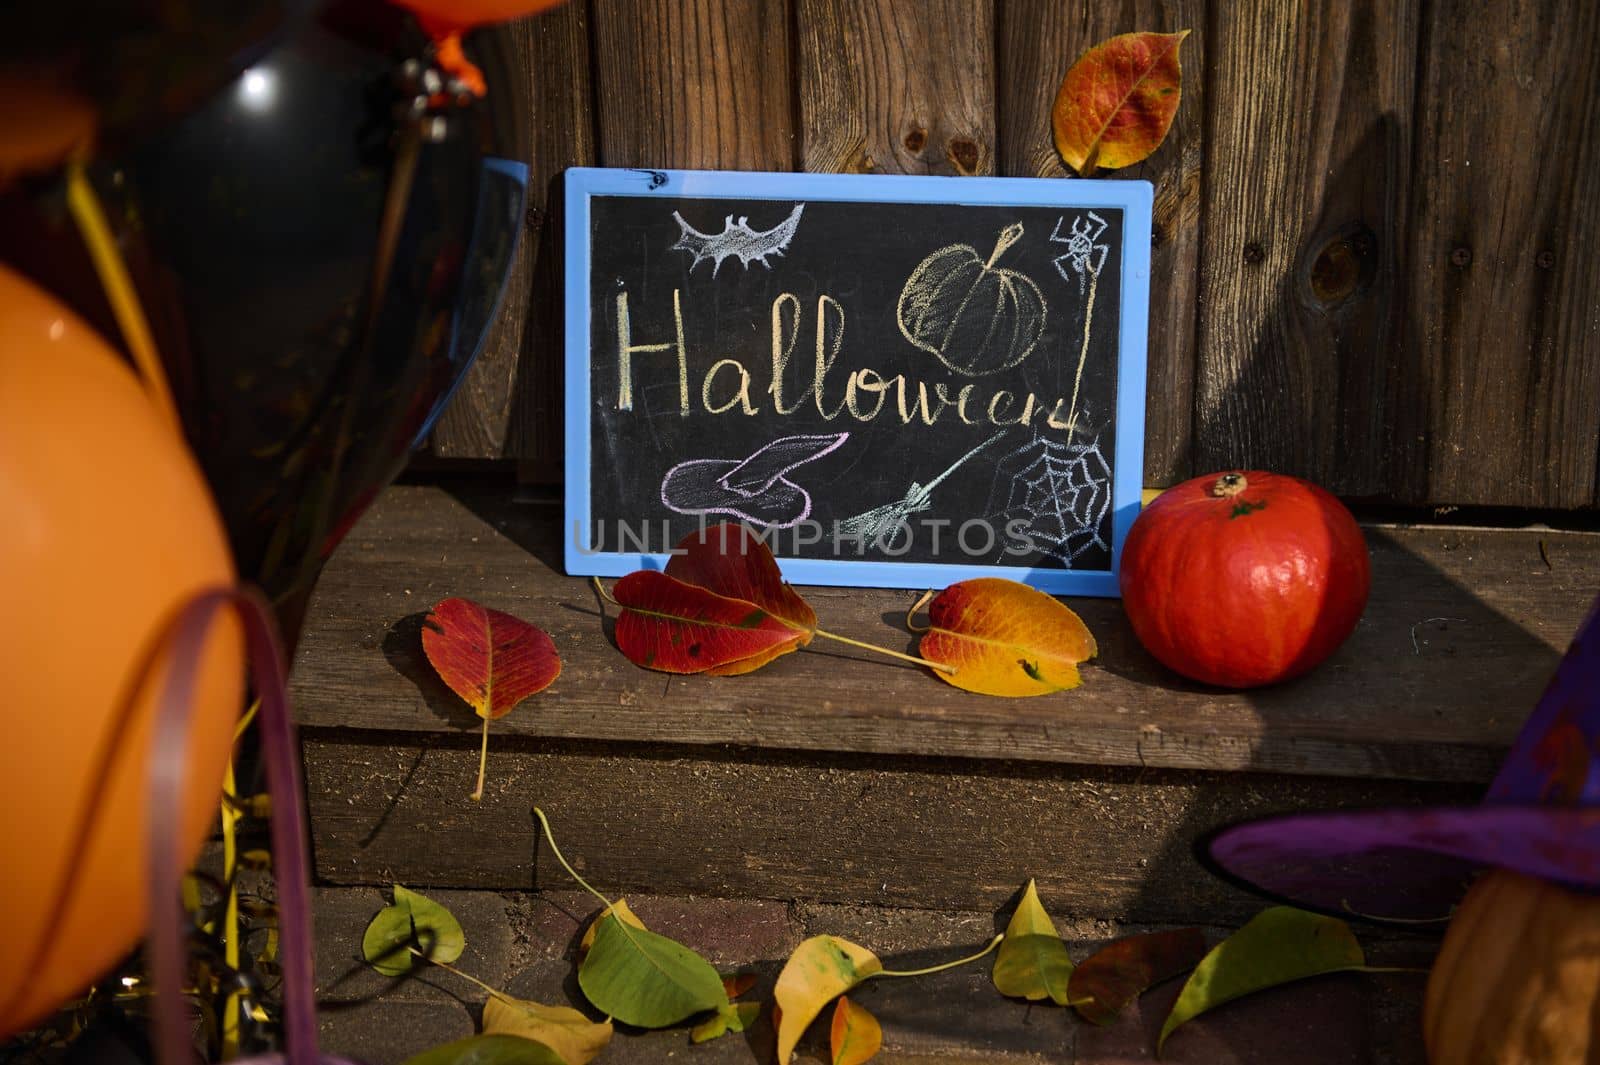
(1254, 253)
(916, 139)
(965, 155)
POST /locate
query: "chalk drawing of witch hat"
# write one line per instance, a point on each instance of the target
(1541, 816)
(755, 489)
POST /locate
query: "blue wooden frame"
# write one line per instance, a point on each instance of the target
(1133, 197)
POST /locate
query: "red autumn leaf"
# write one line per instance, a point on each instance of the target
(731, 560)
(1117, 102)
(675, 627)
(1118, 973)
(492, 660)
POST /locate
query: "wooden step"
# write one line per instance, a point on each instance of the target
(524, 944)
(833, 775)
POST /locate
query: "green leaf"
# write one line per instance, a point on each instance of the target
(1033, 962)
(1278, 946)
(489, 1050)
(733, 1017)
(413, 920)
(645, 979)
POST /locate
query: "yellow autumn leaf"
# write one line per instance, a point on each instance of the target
(819, 969)
(1004, 638)
(856, 1036)
(1033, 962)
(561, 1028)
(624, 914)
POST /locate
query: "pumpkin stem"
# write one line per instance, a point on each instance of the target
(1229, 485)
(1008, 236)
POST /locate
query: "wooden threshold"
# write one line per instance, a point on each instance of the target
(1463, 631)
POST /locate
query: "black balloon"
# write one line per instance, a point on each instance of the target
(141, 62)
(320, 247)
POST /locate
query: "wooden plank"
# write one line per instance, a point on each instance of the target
(897, 86)
(1304, 362)
(1039, 40)
(1410, 696)
(563, 135)
(694, 83)
(1505, 281)
(889, 831)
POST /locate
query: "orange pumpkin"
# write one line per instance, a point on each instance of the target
(1242, 579)
(1517, 981)
(109, 530)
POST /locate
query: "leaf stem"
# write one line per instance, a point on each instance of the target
(1394, 920)
(600, 590)
(1392, 969)
(483, 762)
(468, 977)
(922, 600)
(549, 836)
(885, 651)
(995, 942)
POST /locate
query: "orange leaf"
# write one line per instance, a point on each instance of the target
(1005, 638)
(736, 984)
(492, 660)
(682, 628)
(856, 1035)
(1117, 974)
(731, 560)
(1116, 104)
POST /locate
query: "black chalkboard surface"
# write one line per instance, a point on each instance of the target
(897, 381)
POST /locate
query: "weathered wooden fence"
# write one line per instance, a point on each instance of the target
(1376, 220)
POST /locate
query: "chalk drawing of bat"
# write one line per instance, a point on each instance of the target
(736, 239)
(756, 488)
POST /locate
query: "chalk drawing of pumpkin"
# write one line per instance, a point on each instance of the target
(976, 317)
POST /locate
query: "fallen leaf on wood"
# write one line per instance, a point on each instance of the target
(1118, 100)
(733, 1017)
(823, 967)
(489, 1050)
(736, 984)
(1279, 945)
(731, 560)
(999, 637)
(491, 659)
(856, 1036)
(1033, 961)
(819, 969)
(645, 979)
(621, 909)
(1120, 972)
(675, 627)
(574, 1037)
(412, 921)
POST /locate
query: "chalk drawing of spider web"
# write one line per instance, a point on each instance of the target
(1059, 493)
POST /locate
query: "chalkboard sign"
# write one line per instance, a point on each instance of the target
(896, 381)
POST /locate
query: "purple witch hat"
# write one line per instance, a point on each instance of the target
(1541, 816)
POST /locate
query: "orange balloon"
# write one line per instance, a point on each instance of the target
(109, 529)
(44, 127)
